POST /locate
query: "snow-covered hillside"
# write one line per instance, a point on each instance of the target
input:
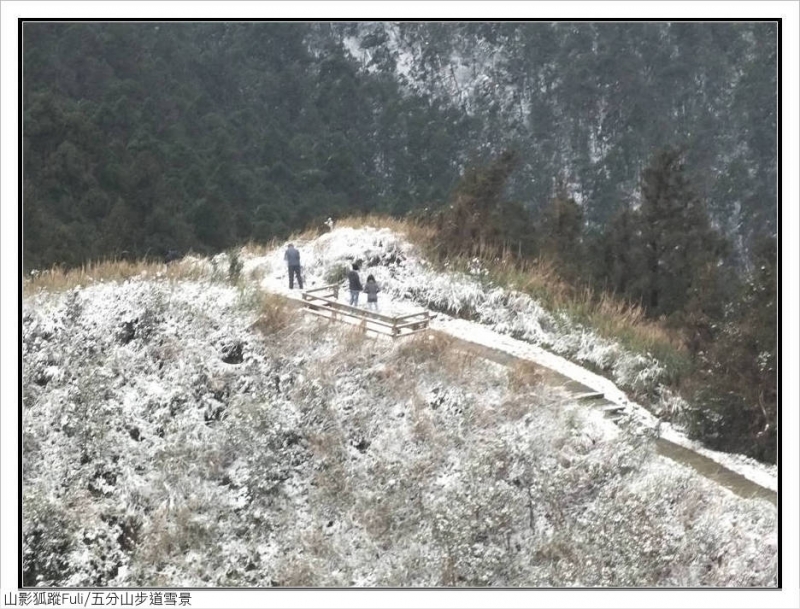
(191, 432)
(506, 318)
(408, 279)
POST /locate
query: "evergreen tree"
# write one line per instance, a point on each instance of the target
(678, 241)
(736, 394)
(561, 234)
(619, 261)
(180, 112)
(479, 219)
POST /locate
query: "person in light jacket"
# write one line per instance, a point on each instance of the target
(292, 258)
(372, 288)
(355, 285)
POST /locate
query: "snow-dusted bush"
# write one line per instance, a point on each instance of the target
(235, 266)
(47, 531)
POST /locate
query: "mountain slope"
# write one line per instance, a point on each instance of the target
(140, 138)
(179, 430)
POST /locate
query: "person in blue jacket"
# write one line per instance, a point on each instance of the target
(292, 258)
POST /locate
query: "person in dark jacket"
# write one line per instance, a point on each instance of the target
(292, 258)
(372, 288)
(355, 285)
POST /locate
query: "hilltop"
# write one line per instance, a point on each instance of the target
(187, 426)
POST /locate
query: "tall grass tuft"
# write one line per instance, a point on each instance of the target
(59, 279)
(426, 346)
(274, 313)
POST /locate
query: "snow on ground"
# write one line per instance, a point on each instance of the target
(167, 442)
(504, 319)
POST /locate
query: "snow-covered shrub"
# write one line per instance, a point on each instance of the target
(46, 539)
(335, 274)
(263, 447)
(643, 529)
(473, 519)
(220, 267)
(73, 304)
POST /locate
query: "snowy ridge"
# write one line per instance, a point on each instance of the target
(504, 319)
(169, 442)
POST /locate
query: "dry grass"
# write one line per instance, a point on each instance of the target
(354, 338)
(254, 248)
(609, 316)
(459, 363)
(413, 231)
(388, 375)
(433, 347)
(523, 375)
(425, 347)
(274, 314)
(58, 279)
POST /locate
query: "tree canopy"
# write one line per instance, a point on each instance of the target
(201, 135)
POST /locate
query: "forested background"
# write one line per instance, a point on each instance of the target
(146, 136)
(640, 157)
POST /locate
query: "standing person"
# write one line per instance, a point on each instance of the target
(355, 285)
(292, 258)
(372, 288)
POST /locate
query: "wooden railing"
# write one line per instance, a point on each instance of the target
(323, 301)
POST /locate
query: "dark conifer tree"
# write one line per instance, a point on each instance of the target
(736, 395)
(619, 264)
(677, 237)
(479, 219)
(561, 234)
